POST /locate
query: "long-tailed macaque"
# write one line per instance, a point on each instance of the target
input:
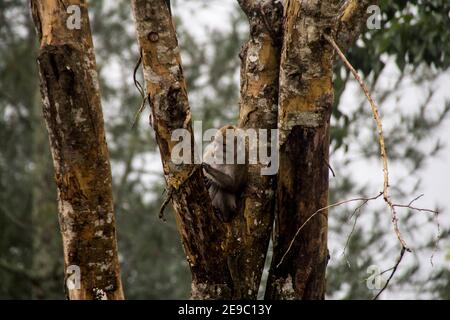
(225, 178)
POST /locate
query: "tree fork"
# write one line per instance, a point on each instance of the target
(74, 119)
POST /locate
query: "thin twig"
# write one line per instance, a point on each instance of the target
(356, 214)
(329, 167)
(383, 153)
(387, 270)
(137, 116)
(316, 213)
(438, 237)
(141, 91)
(165, 203)
(136, 82)
(357, 210)
(435, 212)
(384, 158)
(394, 269)
(415, 199)
(414, 208)
(171, 190)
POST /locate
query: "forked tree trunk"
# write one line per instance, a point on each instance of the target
(226, 259)
(73, 115)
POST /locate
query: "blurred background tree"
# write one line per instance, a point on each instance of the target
(410, 52)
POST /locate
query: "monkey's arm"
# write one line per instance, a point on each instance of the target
(224, 180)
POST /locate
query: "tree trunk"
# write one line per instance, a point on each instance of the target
(73, 115)
(203, 235)
(252, 227)
(306, 99)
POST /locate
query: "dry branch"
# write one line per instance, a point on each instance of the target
(383, 153)
(384, 158)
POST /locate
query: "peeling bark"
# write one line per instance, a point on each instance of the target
(251, 229)
(305, 102)
(74, 119)
(203, 235)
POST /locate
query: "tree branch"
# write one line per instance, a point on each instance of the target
(202, 233)
(260, 63)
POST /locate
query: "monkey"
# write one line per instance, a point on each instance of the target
(224, 181)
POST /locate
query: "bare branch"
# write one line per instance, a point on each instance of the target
(435, 212)
(141, 91)
(357, 210)
(383, 153)
(394, 269)
(319, 211)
